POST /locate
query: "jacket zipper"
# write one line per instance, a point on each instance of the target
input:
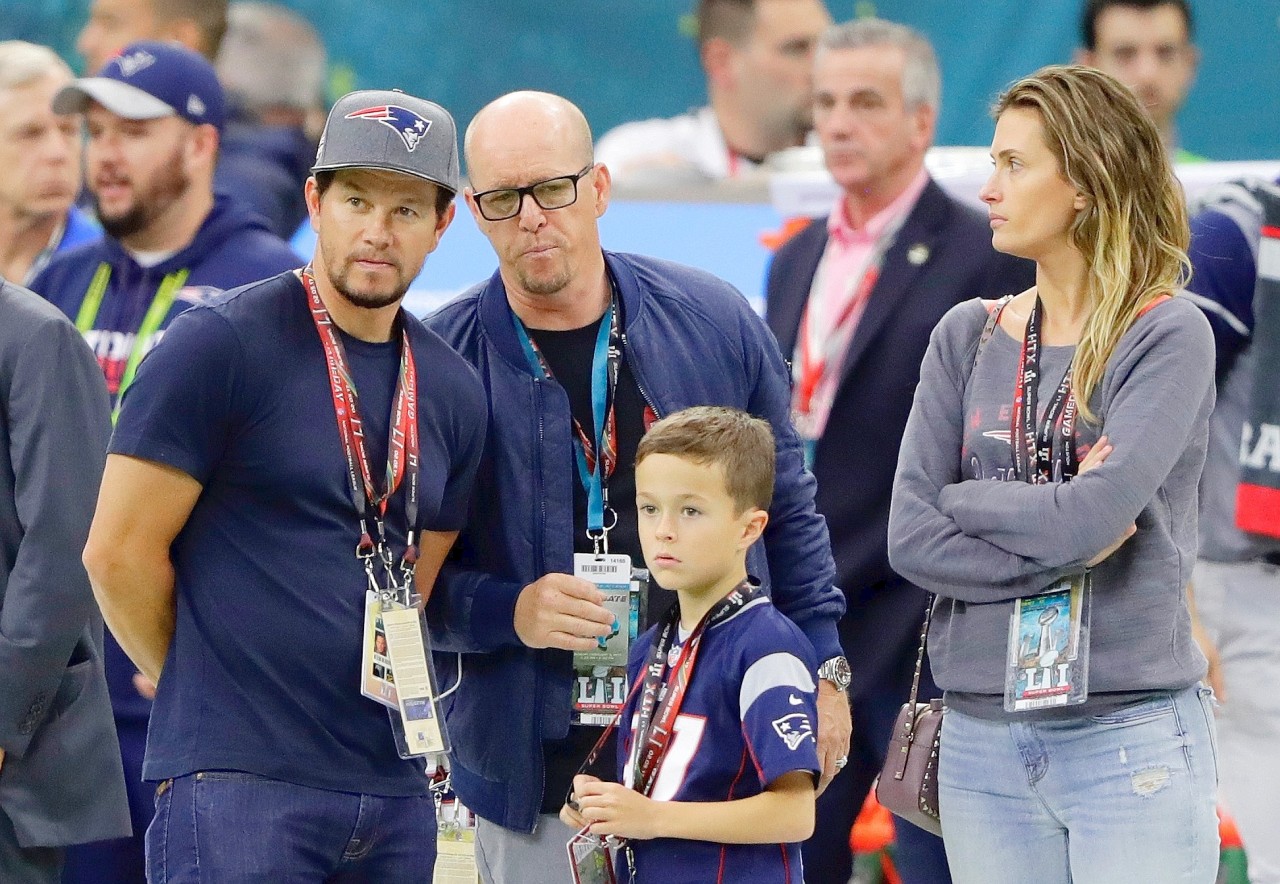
(635, 372)
(542, 564)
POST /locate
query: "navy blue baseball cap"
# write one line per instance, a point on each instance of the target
(148, 80)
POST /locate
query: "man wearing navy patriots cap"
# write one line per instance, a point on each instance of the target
(285, 446)
(153, 115)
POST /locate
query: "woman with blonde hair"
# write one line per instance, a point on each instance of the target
(1046, 493)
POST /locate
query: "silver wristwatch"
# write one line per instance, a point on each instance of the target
(837, 671)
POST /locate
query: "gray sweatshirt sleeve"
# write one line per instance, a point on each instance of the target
(1152, 396)
(926, 545)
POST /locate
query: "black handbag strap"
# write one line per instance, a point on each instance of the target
(988, 329)
(915, 678)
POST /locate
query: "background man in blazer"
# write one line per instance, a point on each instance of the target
(61, 780)
(852, 299)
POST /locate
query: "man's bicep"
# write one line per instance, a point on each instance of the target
(142, 504)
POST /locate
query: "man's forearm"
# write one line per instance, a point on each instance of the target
(137, 602)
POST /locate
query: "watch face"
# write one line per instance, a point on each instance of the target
(837, 670)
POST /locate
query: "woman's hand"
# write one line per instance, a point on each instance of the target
(1106, 553)
(1097, 456)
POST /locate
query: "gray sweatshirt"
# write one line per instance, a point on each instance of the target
(959, 528)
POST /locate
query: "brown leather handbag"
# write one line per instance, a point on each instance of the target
(908, 784)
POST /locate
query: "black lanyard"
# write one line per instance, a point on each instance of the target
(665, 683)
(1032, 442)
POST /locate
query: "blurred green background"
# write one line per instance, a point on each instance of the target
(630, 60)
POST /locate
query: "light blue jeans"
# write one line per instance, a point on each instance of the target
(1125, 797)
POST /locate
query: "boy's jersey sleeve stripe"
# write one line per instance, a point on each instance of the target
(778, 670)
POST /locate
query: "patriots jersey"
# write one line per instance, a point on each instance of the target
(748, 717)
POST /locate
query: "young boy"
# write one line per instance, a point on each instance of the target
(717, 748)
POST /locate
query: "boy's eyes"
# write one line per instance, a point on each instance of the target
(650, 509)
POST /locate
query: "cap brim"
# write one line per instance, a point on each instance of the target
(375, 167)
(121, 99)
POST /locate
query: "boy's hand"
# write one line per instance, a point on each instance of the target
(571, 813)
(613, 809)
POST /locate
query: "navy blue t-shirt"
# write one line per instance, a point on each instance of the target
(263, 673)
(749, 716)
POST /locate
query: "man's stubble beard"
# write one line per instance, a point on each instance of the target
(338, 278)
(549, 283)
(171, 184)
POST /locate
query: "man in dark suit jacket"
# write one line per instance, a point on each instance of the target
(61, 780)
(853, 299)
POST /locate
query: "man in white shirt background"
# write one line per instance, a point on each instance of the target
(758, 58)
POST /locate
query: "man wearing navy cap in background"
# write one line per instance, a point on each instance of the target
(153, 116)
(226, 550)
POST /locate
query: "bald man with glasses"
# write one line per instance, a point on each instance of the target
(581, 349)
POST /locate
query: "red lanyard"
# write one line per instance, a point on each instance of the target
(812, 368)
(665, 684)
(402, 437)
(1032, 440)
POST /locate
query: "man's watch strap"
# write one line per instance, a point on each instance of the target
(837, 671)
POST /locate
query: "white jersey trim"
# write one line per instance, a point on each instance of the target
(780, 670)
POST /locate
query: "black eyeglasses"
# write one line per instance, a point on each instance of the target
(554, 193)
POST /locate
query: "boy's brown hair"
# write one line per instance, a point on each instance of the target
(743, 445)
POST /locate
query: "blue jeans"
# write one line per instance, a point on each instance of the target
(230, 827)
(1129, 796)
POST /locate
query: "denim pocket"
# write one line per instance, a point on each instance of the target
(1138, 712)
(156, 842)
(1206, 705)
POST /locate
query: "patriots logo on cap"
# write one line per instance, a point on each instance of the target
(135, 61)
(408, 125)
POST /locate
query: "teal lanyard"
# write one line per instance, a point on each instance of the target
(596, 455)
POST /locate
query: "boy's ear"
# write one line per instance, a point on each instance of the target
(754, 526)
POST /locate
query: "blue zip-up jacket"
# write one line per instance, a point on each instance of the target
(690, 339)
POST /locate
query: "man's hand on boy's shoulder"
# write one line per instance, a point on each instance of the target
(835, 726)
